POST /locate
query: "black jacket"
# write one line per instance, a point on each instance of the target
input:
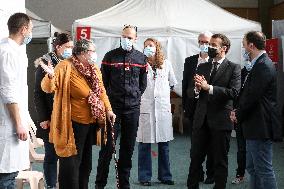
(189, 103)
(125, 78)
(216, 108)
(257, 110)
(43, 101)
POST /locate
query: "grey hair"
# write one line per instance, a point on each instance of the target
(206, 34)
(82, 46)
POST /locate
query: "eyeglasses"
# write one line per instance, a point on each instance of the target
(203, 42)
(91, 51)
(129, 26)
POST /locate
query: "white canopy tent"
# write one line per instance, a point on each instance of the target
(175, 23)
(42, 28)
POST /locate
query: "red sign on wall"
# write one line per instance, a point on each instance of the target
(272, 49)
(83, 33)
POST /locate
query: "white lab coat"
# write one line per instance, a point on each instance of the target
(155, 122)
(14, 153)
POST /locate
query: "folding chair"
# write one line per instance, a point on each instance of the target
(34, 178)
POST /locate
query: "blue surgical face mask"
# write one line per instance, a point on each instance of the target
(67, 53)
(93, 58)
(126, 44)
(149, 51)
(248, 65)
(204, 48)
(27, 39)
(246, 56)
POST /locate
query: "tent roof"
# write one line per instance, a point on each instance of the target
(42, 28)
(167, 18)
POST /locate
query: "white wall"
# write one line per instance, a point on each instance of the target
(62, 13)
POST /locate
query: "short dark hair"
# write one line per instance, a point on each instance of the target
(225, 40)
(17, 21)
(257, 38)
(60, 39)
(126, 26)
(81, 46)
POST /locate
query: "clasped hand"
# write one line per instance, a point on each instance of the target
(201, 83)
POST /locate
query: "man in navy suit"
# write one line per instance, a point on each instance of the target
(258, 114)
(217, 84)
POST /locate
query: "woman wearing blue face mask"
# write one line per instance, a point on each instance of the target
(155, 122)
(62, 45)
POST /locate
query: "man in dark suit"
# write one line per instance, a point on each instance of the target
(241, 142)
(258, 114)
(217, 84)
(189, 102)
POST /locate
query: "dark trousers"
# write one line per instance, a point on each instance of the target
(50, 164)
(74, 171)
(128, 124)
(219, 142)
(208, 156)
(241, 154)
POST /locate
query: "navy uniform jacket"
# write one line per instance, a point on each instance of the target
(125, 78)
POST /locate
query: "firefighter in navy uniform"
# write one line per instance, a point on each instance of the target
(125, 79)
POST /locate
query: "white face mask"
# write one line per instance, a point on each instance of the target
(93, 58)
(27, 39)
(149, 51)
(204, 48)
(126, 43)
(67, 53)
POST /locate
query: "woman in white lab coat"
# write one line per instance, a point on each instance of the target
(155, 122)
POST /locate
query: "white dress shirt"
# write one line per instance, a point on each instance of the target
(14, 153)
(219, 63)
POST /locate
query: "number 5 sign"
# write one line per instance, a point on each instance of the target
(83, 33)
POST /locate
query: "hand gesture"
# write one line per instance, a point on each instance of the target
(111, 117)
(47, 68)
(201, 83)
(45, 124)
(233, 116)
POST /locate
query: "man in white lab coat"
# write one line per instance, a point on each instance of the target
(14, 146)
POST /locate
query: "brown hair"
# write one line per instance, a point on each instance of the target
(225, 40)
(159, 55)
(17, 21)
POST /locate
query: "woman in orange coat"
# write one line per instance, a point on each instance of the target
(80, 103)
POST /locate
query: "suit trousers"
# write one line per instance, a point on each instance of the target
(218, 141)
(74, 171)
(241, 154)
(128, 124)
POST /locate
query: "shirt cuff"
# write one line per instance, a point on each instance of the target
(211, 89)
(196, 92)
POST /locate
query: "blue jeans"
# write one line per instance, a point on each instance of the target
(259, 164)
(145, 162)
(50, 165)
(7, 180)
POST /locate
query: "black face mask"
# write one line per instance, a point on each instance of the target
(212, 52)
